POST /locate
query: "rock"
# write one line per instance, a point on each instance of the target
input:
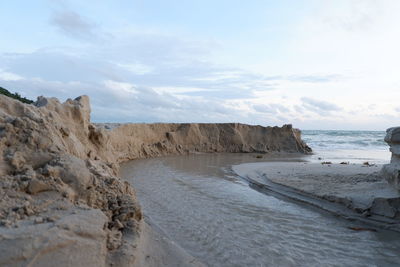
(38, 220)
(391, 172)
(388, 207)
(367, 164)
(35, 186)
(393, 135)
(41, 101)
(52, 219)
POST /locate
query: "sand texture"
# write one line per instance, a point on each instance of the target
(131, 141)
(356, 187)
(62, 202)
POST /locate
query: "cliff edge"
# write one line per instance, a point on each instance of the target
(132, 141)
(62, 201)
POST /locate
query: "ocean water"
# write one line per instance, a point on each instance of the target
(352, 146)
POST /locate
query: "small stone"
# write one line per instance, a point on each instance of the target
(52, 218)
(38, 220)
(23, 185)
(36, 186)
(5, 223)
(29, 211)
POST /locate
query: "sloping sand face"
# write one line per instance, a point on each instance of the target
(62, 200)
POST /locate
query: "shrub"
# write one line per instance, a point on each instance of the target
(15, 96)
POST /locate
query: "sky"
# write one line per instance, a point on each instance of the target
(317, 64)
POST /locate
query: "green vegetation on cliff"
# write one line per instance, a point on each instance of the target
(15, 96)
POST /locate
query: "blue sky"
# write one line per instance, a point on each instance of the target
(315, 64)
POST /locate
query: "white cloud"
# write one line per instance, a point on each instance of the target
(9, 76)
(120, 87)
(136, 68)
(272, 108)
(319, 106)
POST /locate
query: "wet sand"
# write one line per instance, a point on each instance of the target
(216, 217)
(357, 182)
(157, 249)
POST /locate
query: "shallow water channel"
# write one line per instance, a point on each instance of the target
(216, 217)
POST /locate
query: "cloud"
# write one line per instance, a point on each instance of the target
(356, 15)
(74, 25)
(179, 75)
(120, 89)
(115, 101)
(319, 106)
(136, 68)
(9, 76)
(150, 76)
(138, 88)
(270, 108)
(314, 78)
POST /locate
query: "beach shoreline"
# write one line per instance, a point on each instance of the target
(353, 191)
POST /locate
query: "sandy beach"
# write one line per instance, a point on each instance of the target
(357, 187)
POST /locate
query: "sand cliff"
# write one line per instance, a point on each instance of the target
(62, 201)
(131, 141)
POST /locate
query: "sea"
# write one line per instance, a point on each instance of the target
(348, 146)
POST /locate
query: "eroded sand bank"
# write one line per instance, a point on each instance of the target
(63, 202)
